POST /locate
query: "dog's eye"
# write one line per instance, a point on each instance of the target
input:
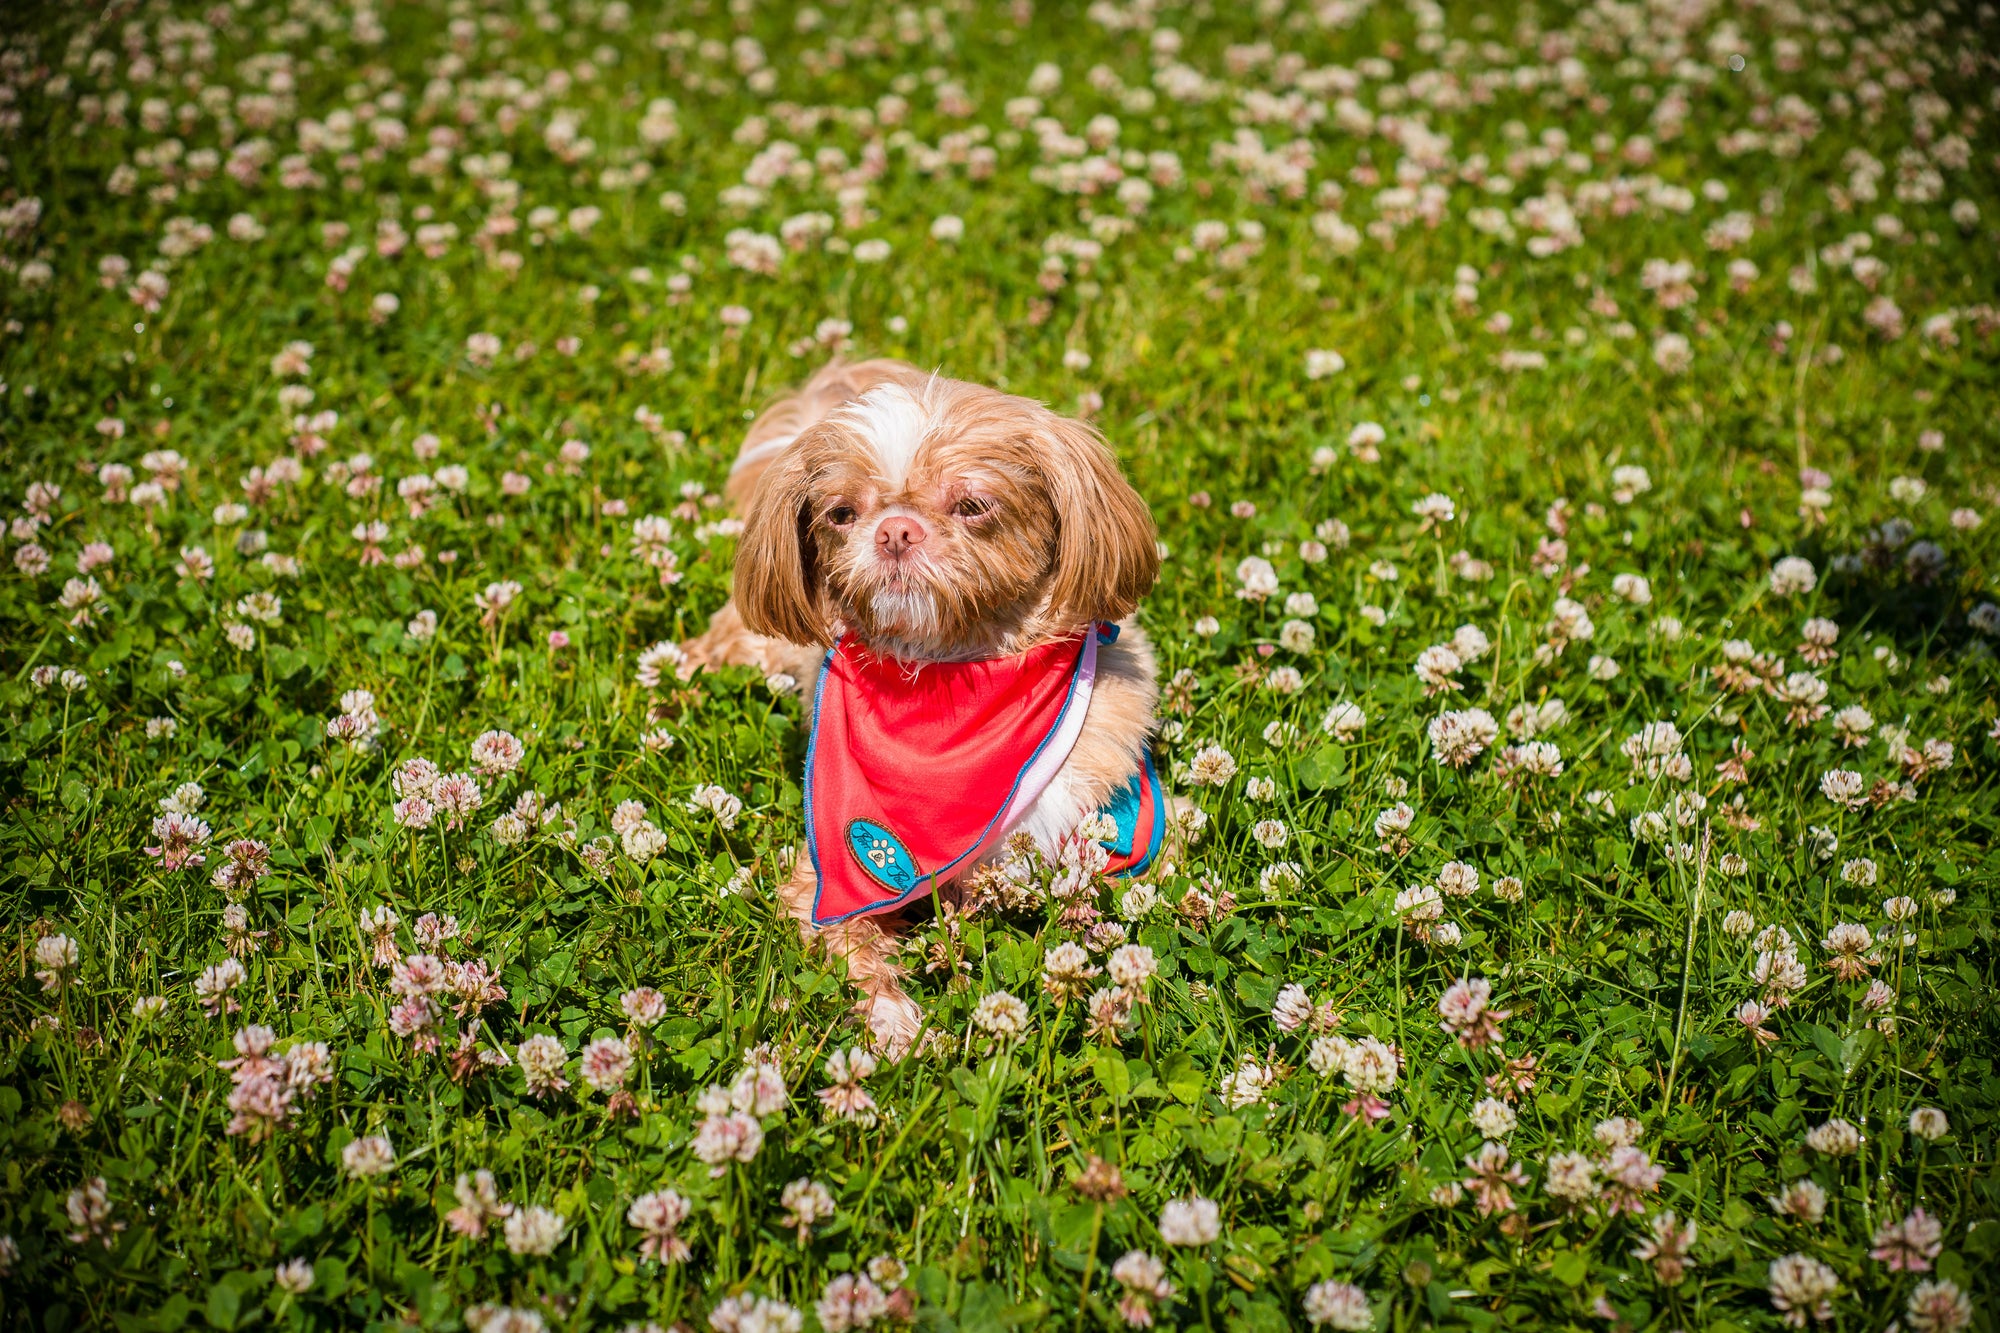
(840, 516)
(970, 507)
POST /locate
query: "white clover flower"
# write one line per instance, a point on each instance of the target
(497, 752)
(1138, 902)
(1835, 1138)
(749, 1314)
(1802, 1288)
(806, 1202)
(760, 1089)
(1793, 576)
(1939, 1306)
(1570, 1177)
(1259, 579)
(1190, 1222)
(1131, 966)
(1211, 766)
(1803, 1200)
(1344, 721)
(1436, 666)
(1843, 786)
(727, 1136)
(1458, 880)
(1396, 819)
(719, 801)
(1672, 353)
(1493, 1118)
(1001, 1015)
(1470, 643)
(1649, 826)
(1929, 1124)
(1372, 1065)
(1328, 1055)
(1322, 362)
(533, 1230)
(1459, 737)
(1292, 1009)
(1629, 482)
(1245, 1085)
(541, 1058)
(368, 1156)
(1279, 877)
(1270, 833)
(606, 1063)
(56, 955)
(1433, 511)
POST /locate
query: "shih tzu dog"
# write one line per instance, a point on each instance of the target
(955, 569)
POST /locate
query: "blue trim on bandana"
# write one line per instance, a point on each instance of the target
(1124, 808)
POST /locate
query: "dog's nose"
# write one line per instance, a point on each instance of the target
(897, 534)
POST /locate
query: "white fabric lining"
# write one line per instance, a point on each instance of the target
(1049, 762)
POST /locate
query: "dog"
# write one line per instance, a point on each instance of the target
(936, 554)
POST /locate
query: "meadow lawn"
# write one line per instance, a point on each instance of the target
(1572, 434)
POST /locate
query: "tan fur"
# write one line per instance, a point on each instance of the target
(729, 642)
(1119, 718)
(1008, 525)
(1108, 556)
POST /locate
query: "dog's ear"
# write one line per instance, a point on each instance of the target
(777, 562)
(1107, 553)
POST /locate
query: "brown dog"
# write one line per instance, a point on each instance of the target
(937, 521)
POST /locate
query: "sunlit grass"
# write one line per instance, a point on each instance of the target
(1275, 1124)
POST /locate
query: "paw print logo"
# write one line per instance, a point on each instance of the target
(881, 854)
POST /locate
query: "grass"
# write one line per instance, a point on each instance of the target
(1515, 362)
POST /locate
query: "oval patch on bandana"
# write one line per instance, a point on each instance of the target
(882, 855)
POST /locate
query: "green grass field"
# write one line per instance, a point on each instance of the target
(1573, 432)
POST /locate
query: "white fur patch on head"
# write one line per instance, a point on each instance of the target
(894, 423)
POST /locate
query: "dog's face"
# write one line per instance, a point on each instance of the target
(939, 519)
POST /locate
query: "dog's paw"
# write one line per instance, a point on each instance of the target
(894, 1021)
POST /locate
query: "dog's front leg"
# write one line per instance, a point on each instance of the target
(870, 952)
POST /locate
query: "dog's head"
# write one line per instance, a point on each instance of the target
(938, 519)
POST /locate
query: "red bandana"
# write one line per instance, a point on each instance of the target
(916, 774)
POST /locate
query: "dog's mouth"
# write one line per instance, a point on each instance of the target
(898, 587)
(904, 607)
(914, 609)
